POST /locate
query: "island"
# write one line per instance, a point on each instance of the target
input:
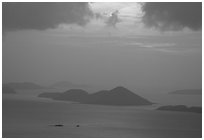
(7, 89)
(67, 84)
(117, 96)
(23, 85)
(181, 108)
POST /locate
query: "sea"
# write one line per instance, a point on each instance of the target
(24, 115)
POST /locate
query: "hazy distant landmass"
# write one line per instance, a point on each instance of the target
(49, 94)
(76, 95)
(7, 89)
(116, 96)
(23, 85)
(188, 92)
(181, 108)
(67, 84)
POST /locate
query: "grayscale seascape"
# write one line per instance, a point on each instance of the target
(102, 70)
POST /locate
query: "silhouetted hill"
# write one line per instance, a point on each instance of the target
(49, 95)
(181, 108)
(77, 95)
(7, 89)
(24, 85)
(66, 84)
(71, 95)
(188, 92)
(116, 96)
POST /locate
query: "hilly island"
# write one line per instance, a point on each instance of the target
(118, 96)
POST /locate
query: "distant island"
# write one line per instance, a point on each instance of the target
(181, 108)
(6, 89)
(188, 92)
(67, 84)
(117, 96)
(23, 85)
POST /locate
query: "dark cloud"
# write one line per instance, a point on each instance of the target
(173, 15)
(113, 19)
(43, 15)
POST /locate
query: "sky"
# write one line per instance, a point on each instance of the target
(153, 45)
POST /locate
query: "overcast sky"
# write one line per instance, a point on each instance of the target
(147, 45)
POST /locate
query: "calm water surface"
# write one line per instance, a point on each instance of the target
(25, 115)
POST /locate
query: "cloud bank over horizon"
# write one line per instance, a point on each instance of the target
(43, 15)
(163, 16)
(173, 15)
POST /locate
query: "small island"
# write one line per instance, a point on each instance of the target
(67, 84)
(7, 89)
(181, 108)
(23, 86)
